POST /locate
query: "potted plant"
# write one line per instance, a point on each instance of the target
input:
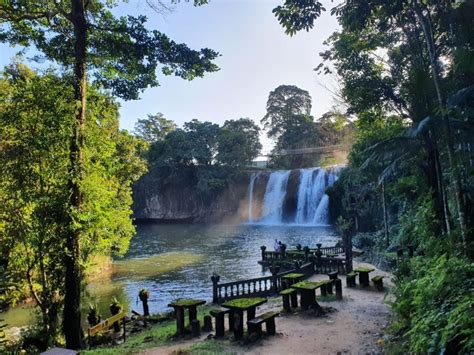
(144, 294)
(93, 317)
(115, 308)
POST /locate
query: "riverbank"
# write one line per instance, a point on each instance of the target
(356, 325)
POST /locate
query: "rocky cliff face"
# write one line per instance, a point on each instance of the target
(181, 204)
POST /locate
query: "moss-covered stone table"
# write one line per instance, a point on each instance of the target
(237, 308)
(307, 291)
(364, 275)
(289, 279)
(180, 306)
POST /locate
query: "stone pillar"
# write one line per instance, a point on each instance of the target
(306, 253)
(207, 327)
(338, 283)
(274, 269)
(215, 280)
(195, 328)
(263, 248)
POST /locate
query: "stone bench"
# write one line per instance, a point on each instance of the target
(219, 314)
(255, 325)
(351, 279)
(287, 295)
(378, 282)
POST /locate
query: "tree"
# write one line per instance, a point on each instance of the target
(203, 138)
(238, 143)
(35, 163)
(407, 80)
(284, 103)
(154, 128)
(122, 55)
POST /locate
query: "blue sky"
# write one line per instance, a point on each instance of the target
(256, 57)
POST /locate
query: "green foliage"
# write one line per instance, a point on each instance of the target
(154, 128)
(122, 53)
(434, 306)
(297, 15)
(284, 104)
(203, 156)
(34, 193)
(238, 143)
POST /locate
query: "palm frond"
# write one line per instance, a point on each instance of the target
(463, 96)
(391, 149)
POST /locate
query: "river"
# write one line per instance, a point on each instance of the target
(174, 261)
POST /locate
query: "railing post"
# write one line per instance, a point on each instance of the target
(274, 269)
(263, 248)
(306, 253)
(215, 279)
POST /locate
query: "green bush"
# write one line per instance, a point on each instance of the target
(434, 308)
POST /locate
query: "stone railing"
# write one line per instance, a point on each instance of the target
(260, 286)
(299, 254)
(269, 285)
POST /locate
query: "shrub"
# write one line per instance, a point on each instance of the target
(434, 308)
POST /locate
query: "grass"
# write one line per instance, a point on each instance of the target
(157, 335)
(211, 346)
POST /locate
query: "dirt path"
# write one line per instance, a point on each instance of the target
(355, 327)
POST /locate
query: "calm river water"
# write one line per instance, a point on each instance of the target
(174, 261)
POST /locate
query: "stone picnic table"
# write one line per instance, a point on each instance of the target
(237, 308)
(307, 291)
(180, 306)
(364, 275)
(290, 279)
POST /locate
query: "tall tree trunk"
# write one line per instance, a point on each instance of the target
(430, 44)
(435, 181)
(72, 301)
(385, 216)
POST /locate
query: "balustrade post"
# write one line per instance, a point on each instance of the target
(306, 253)
(274, 269)
(263, 248)
(215, 280)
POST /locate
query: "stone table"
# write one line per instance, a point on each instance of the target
(237, 308)
(307, 291)
(180, 306)
(290, 279)
(364, 275)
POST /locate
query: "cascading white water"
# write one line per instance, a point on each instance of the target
(322, 212)
(274, 197)
(304, 199)
(253, 177)
(312, 206)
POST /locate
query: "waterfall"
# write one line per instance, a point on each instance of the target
(312, 203)
(274, 197)
(253, 177)
(304, 199)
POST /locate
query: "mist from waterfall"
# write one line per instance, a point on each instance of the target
(312, 203)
